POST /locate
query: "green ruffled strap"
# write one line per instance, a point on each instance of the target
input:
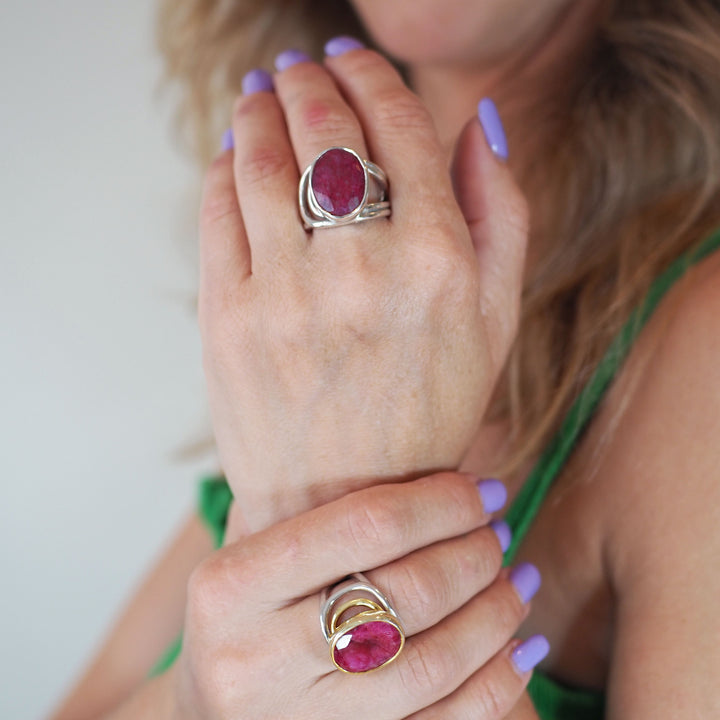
(528, 502)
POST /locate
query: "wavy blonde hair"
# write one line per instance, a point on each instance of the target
(629, 178)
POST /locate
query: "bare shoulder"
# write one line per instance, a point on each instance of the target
(663, 457)
(659, 497)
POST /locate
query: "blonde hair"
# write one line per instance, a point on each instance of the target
(629, 177)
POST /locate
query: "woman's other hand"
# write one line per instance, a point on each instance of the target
(357, 352)
(252, 643)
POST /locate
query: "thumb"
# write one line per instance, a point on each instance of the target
(497, 215)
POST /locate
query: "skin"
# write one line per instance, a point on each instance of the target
(624, 608)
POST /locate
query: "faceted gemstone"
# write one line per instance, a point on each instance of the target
(367, 646)
(338, 182)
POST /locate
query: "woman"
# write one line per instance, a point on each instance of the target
(343, 359)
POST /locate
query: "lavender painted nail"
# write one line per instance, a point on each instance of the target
(227, 140)
(289, 58)
(503, 532)
(526, 579)
(493, 127)
(528, 654)
(257, 80)
(342, 44)
(493, 494)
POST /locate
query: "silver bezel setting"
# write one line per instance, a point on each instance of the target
(373, 205)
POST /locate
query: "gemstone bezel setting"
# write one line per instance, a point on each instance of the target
(356, 657)
(319, 199)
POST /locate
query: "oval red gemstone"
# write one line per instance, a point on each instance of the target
(367, 646)
(338, 182)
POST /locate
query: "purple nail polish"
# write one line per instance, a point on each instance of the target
(503, 532)
(526, 579)
(257, 80)
(493, 127)
(289, 58)
(342, 44)
(528, 654)
(493, 494)
(227, 140)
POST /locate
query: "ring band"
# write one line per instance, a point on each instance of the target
(339, 188)
(367, 640)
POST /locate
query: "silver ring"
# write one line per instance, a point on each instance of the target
(367, 640)
(339, 187)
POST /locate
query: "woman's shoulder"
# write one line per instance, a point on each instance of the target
(660, 455)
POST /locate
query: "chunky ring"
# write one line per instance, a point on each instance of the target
(339, 188)
(367, 640)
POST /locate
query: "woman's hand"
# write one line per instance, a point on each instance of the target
(252, 644)
(357, 352)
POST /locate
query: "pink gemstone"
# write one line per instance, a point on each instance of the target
(338, 182)
(367, 646)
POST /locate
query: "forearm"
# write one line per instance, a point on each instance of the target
(153, 700)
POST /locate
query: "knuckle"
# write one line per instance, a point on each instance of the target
(507, 611)
(401, 109)
(372, 525)
(452, 268)
(216, 208)
(320, 117)
(490, 699)
(422, 587)
(460, 499)
(263, 162)
(202, 591)
(370, 63)
(214, 582)
(428, 589)
(245, 105)
(428, 673)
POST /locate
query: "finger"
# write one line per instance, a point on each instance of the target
(423, 587)
(267, 177)
(399, 130)
(437, 662)
(317, 115)
(494, 692)
(224, 250)
(497, 215)
(362, 530)
(431, 583)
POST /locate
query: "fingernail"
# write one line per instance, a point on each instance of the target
(257, 80)
(342, 44)
(227, 140)
(493, 127)
(289, 58)
(528, 654)
(526, 579)
(493, 494)
(503, 532)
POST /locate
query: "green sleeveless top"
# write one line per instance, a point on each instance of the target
(553, 700)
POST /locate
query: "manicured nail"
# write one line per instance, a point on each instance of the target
(528, 654)
(257, 80)
(289, 58)
(340, 45)
(227, 140)
(503, 532)
(493, 494)
(493, 127)
(526, 579)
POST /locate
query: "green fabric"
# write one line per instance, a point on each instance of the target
(553, 700)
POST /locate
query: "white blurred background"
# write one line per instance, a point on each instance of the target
(100, 371)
